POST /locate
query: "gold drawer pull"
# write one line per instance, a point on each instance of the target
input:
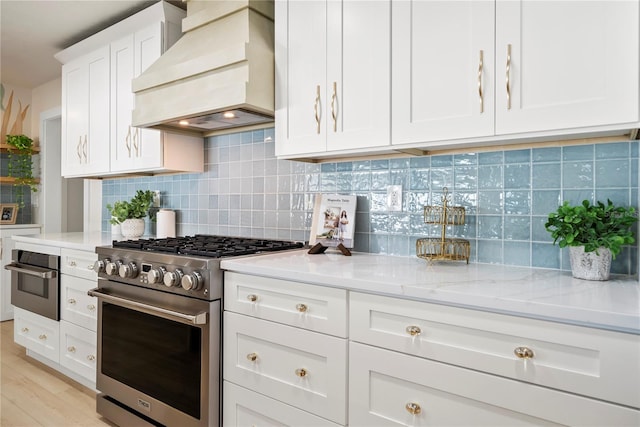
(301, 372)
(43, 337)
(252, 297)
(91, 307)
(302, 308)
(413, 408)
(25, 330)
(72, 264)
(90, 267)
(91, 358)
(413, 330)
(252, 357)
(71, 301)
(523, 353)
(71, 349)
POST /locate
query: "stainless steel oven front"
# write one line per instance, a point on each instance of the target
(158, 357)
(35, 282)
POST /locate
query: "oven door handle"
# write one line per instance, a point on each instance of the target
(31, 271)
(195, 319)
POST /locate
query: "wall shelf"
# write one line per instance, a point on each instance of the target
(12, 180)
(5, 148)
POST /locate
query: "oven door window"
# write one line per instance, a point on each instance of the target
(156, 356)
(33, 285)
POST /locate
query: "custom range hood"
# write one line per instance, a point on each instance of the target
(219, 75)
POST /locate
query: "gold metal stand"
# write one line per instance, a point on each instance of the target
(443, 248)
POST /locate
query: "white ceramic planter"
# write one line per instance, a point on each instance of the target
(132, 228)
(590, 265)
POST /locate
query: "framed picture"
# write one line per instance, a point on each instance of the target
(9, 213)
(333, 220)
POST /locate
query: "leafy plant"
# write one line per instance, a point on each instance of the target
(138, 207)
(592, 226)
(21, 164)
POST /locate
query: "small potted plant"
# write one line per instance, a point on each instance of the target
(130, 214)
(21, 165)
(594, 235)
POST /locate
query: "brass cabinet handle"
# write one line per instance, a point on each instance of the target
(91, 307)
(508, 77)
(42, 337)
(71, 301)
(79, 149)
(91, 357)
(90, 267)
(72, 264)
(316, 111)
(302, 308)
(252, 297)
(334, 115)
(413, 330)
(71, 349)
(136, 143)
(301, 372)
(127, 141)
(523, 353)
(480, 71)
(24, 330)
(252, 357)
(413, 408)
(84, 150)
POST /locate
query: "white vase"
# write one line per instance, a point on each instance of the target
(132, 228)
(590, 265)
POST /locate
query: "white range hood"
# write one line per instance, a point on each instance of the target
(219, 75)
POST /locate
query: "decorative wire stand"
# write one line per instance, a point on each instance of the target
(443, 248)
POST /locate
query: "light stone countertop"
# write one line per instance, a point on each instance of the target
(536, 293)
(79, 241)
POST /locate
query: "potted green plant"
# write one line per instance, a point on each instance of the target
(130, 214)
(594, 235)
(20, 165)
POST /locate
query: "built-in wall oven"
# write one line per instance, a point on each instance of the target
(35, 282)
(159, 324)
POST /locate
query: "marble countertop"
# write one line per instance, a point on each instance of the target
(536, 293)
(79, 240)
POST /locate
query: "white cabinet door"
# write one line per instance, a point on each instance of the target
(443, 70)
(37, 333)
(85, 115)
(76, 305)
(566, 64)
(132, 148)
(78, 350)
(332, 75)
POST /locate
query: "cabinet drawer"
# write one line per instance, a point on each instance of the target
(36, 333)
(301, 368)
(244, 407)
(78, 350)
(586, 361)
(78, 263)
(394, 389)
(316, 308)
(75, 305)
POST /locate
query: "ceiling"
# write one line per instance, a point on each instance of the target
(32, 31)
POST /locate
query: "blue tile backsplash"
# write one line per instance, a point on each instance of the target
(246, 191)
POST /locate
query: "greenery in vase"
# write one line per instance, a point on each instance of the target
(592, 226)
(138, 207)
(21, 165)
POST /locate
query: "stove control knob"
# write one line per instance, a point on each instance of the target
(112, 268)
(100, 265)
(173, 278)
(156, 275)
(128, 271)
(192, 282)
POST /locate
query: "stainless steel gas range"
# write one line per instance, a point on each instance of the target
(159, 316)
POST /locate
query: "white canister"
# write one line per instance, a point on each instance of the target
(166, 223)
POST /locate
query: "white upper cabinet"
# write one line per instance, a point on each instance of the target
(85, 112)
(129, 47)
(332, 76)
(484, 71)
(566, 64)
(443, 61)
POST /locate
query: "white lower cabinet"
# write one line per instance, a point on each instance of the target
(78, 350)
(37, 333)
(387, 388)
(301, 368)
(76, 306)
(243, 407)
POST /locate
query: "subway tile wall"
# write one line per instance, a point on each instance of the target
(246, 191)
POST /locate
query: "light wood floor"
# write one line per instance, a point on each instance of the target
(35, 395)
